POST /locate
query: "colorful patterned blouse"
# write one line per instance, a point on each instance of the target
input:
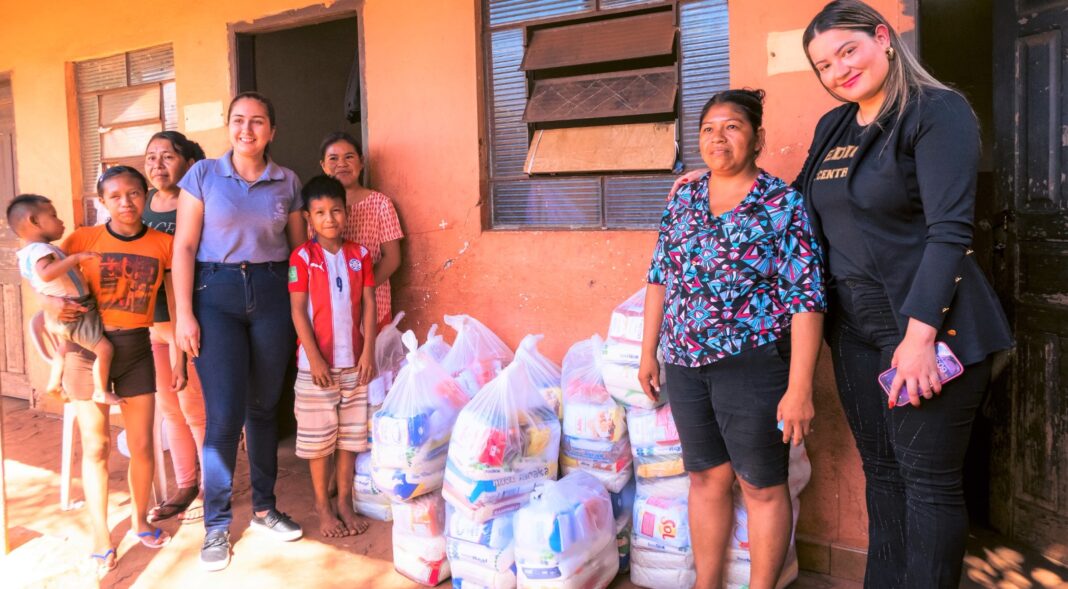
(734, 281)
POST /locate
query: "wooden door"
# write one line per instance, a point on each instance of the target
(13, 379)
(1030, 500)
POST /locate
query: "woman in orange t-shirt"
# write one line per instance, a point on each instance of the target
(129, 264)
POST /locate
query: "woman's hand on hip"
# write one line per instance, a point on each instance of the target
(187, 335)
(917, 367)
(649, 376)
(796, 412)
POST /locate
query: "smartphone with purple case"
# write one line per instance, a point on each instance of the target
(949, 367)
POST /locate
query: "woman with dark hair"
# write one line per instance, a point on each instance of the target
(890, 183)
(168, 157)
(734, 302)
(239, 217)
(372, 218)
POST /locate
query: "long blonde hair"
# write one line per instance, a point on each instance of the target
(906, 76)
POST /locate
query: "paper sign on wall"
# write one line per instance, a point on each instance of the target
(203, 116)
(785, 53)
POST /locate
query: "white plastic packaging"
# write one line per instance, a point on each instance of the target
(419, 546)
(413, 427)
(595, 428)
(505, 441)
(367, 498)
(566, 537)
(389, 358)
(654, 441)
(435, 344)
(477, 354)
(654, 569)
(543, 372)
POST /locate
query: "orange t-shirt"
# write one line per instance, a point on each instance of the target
(126, 277)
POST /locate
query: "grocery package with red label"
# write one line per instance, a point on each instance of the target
(477, 354)
(419, 547)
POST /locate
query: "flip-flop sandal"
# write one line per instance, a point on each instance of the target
(103, 567)
(192, 515)
(159, 538)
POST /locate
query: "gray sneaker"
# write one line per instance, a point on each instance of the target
(278, 524)
(215, 553)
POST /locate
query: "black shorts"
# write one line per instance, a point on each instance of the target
(133, 371)
(727, 412)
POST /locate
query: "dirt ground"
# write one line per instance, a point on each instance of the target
(49, 547)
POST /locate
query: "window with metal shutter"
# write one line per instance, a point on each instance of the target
(122, 101)
(590, 106)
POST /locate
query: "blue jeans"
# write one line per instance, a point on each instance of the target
(246, 342)
(913, 457)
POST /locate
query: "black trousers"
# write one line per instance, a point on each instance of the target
(913, 457)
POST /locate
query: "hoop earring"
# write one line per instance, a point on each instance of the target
(891, 54)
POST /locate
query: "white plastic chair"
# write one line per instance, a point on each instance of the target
(47, 346)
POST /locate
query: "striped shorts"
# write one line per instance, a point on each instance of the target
(330, 418)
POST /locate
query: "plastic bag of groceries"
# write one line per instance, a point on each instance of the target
(419, 548)
(542, 372)
(367, 499)
(595, 428)
(413, 427)
(661, 554)
(481, 554)
(738, 558)
(435, 344)
(655, 444)
(622, 354)
(505, 441)
(389, 357)
(477, 354)
(565, 537)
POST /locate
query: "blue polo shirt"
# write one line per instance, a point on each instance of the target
(243, 222)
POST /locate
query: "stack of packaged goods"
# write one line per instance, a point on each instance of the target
(389, 359)
(412, 432)
(622, 352)
(661, 556)
(565, 536)
(506, 440)
(738, 559)
(419, 551)
(595, 428)
(367, 498)
(543, 373)
(477, 354)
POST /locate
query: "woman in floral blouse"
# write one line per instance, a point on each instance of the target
(735, 302)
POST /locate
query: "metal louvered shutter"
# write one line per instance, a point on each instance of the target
(705, 67)
(101, 74)
(508, 88)
(155, 64)
(502, 12)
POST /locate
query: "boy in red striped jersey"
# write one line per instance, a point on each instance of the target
(332, 293)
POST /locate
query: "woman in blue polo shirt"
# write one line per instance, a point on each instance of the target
(238, 218)
(735, 302)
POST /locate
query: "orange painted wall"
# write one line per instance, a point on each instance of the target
(423, 89)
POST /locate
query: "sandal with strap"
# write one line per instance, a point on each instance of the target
(158, 540)
(104, 566)
(167, 510)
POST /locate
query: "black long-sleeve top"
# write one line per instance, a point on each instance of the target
(911, 193)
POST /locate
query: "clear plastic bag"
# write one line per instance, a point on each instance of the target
(389, 358)
(413, 427)
(367, 498)
(480, 553)
(595, 428)
(477, 354)
(435, 344)
(566, 536)
(655, 444)
(542, 372)
(622, 355)
(505, 441)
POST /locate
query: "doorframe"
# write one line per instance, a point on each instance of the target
(296, 18)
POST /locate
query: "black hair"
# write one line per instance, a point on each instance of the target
(23, 206)
(116, 171)
(749, 101)
(339, 136)
(322, 186)
(183, 146)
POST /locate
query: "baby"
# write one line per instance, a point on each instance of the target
(51, 272)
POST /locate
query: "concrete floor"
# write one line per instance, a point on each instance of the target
(50, 546)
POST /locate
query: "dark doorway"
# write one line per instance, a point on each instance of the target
(311, 74)
(956, 44)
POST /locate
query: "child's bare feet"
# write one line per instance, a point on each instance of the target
(355, 523)
(329, 524)
(106, 397)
